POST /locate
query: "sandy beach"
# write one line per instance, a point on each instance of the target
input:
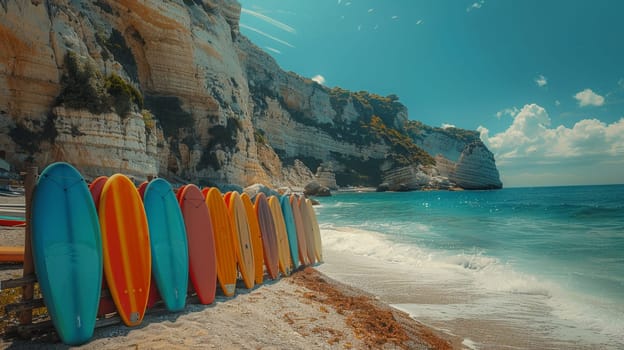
(303, 311)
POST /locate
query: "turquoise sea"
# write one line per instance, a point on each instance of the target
(513, 268)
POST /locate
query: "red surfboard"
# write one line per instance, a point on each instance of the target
(201, 243)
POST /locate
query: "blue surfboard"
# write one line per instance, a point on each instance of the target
(67, 251)
(170, 262)
(291, 229)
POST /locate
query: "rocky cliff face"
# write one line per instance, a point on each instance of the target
(173, 89)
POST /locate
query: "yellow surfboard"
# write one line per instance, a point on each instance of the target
(301, 235)
(225, 242)
(256, 238)
(283, 248)
(244, 250)
(318, 244)
(309, 232)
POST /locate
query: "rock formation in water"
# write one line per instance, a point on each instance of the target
(173, 89)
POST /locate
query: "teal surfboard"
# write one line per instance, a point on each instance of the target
(170, 262)
(291, 229)
(67, 251)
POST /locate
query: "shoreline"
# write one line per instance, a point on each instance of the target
(305, 310)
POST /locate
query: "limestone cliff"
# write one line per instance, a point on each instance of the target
(173, 89)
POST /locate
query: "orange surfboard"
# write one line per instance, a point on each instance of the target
(201, 243)
(283, 249)
(309, 232)
(107, 305)
(256, 238)
(11, 254)
(318, 244)
(225, 242)
(244, 249)
(126, 248)
(269, 238)
(301, 236)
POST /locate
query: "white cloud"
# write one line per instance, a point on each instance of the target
(395, 17)
(621, 83)
(370, 10)
(475, 6)
(508, 111)
(447, 126)
(531, 136)
(319, 79)
(359, 27)
(557, 103)
(541, 81)
(269, 20)
(589, 98)
(419, 21)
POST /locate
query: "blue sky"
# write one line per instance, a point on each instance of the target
(543, 81)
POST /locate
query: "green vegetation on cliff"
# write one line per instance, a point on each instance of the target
(416, 129)
(404, 150)
(84, 87)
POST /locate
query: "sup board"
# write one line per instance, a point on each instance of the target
(225, 241)
(301, 236)
(256, 238)
(107, 305)
(318, 245)
(168, 244)
(283, 249)
(244, 248)
(291, 229)
(126, 247)
(201, 243)
(269, 238)
(309, 232)
(67, 251)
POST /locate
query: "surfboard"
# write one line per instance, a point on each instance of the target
(301, 236)
(11, 254)
(256, 238)
(179, 192)
(126, 247)
(141, 189)
(168, 244)
(67, 251)
(107, 305)
(201, 243)
(283, 250)
(153, 296)
(95, 187)
(291, 230)
(318, 245)
(244, 248)
(307, 225)
(225, 242)
(269, 238)
(12, 221)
